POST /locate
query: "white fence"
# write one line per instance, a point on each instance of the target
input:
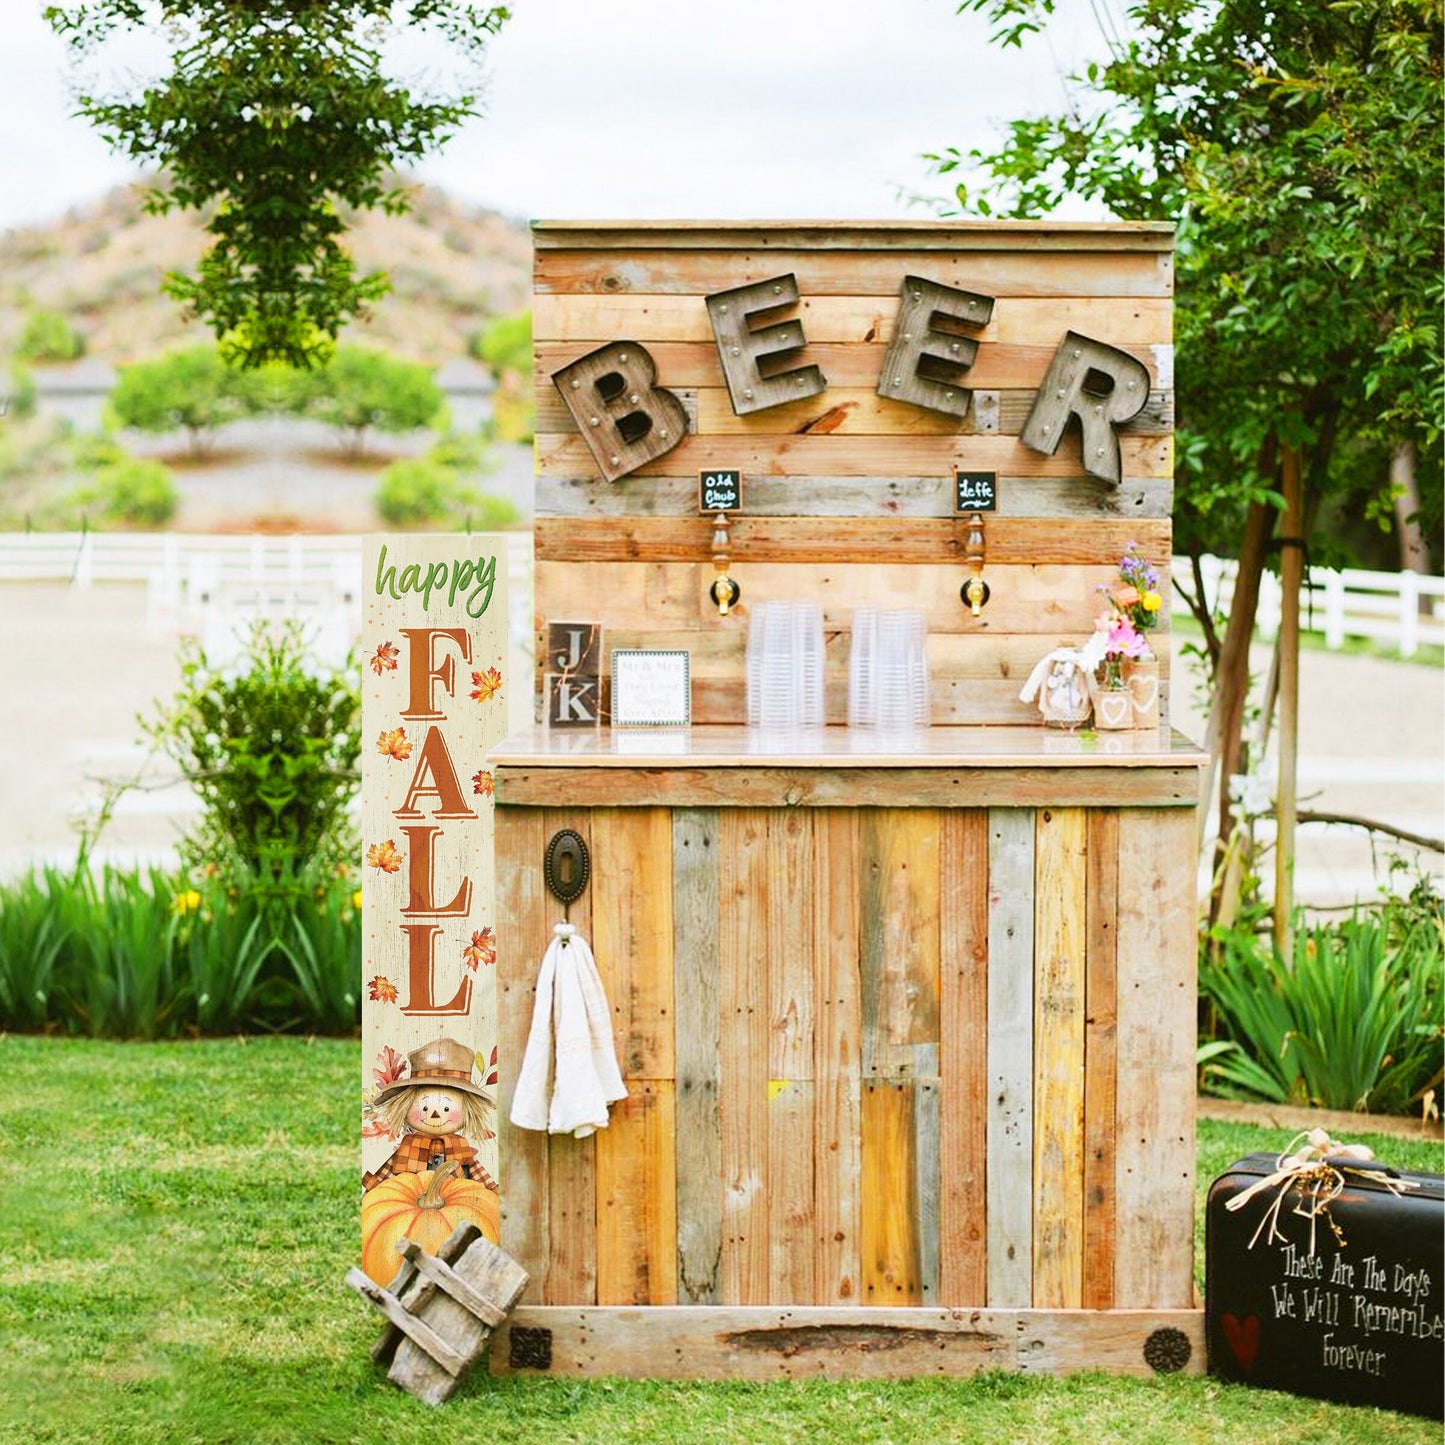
(1402, 610)
(214, 585)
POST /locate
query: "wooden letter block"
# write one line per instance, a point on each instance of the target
(573, 670)
(624, 417)
(1102, 386)
(755, 360)
(930, 353)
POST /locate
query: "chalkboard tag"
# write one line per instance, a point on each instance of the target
(975, 491)
(720, 491)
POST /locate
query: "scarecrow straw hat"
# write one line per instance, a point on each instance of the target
(443, 1062)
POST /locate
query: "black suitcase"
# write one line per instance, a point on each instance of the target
(1361, 1320)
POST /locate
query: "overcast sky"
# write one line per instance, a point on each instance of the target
(646, 108)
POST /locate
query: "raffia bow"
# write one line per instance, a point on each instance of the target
(1315, 1171)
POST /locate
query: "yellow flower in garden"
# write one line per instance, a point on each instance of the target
(186, 902)
(1152, 602)
(356, 900)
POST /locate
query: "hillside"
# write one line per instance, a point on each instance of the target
(101, 265)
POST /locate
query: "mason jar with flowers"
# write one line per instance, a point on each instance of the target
(1128, 675)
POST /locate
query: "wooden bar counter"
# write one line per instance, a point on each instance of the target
(907, 1026)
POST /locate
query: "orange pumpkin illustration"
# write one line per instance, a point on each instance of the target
(425, 1208)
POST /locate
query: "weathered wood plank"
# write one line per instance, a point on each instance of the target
(855, 272)
(633, 934)
(861, 456)
(1099, 1058)
(1010, 541)
(999, 367)
(699, 1140)
(1016, 320)
(1048, 497)
(904, 787)
(788, 1196)
(837, 1028)
(852, 411)
(963, 1057)
(787, 960)
(637, 1198)
(1121, 237)
(890, 1244)
(927, 1186)
(899, 941)
(1060, 900)
(1154, 1168)
(1010, 1055)
(743, 890)
(824, 1343)
(663, 596)
(571, 1163)
(524, 929)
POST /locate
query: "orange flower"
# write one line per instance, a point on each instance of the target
(394, 744)
(384, 658)
(384, 856)
(486, 684)
(482, 949)
(482, 783)
(1126, 596)
(383, 990)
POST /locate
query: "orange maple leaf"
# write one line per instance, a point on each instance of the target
(384, 658)
(394, 744)
(482, 783)
(384, 856)
(383, 990)
(486, 684)
(482, 949)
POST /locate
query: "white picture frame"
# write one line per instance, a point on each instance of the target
(651, 688)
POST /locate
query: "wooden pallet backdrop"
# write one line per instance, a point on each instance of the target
(878, 1056)
(847, 496)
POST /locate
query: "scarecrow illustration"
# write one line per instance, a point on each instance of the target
(433, 1109)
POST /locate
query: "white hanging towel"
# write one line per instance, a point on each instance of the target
(569, 1072)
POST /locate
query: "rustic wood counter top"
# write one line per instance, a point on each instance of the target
(839, 766)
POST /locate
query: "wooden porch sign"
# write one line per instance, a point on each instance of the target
(434, 687)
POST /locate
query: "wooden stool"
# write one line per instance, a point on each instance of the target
(443, 1309)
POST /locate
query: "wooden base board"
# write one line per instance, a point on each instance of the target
(779, 1342)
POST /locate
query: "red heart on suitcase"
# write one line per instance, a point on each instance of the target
(1243, 1337)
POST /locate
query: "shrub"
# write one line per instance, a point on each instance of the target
(1350, 1021)
(18, 402)
(147, 954)
(271, 749)
(360, 389)
(426, 491)
(505, 345)
(514, 416)
(142, 493)
(48, 336)
(191, 389)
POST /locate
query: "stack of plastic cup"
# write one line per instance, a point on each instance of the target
(888, 670)
(785, 665)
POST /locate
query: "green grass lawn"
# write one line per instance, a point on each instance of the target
(177, 1219)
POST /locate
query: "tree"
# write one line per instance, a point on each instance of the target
(48, 336)
(191, 388)
(505, 344)
(1297, 146)
(275, 116)
(360, 388)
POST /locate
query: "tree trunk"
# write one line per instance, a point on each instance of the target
(1414, 551)
(1223, 733)
(1291, 569)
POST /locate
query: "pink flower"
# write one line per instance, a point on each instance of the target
(1126, 641)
